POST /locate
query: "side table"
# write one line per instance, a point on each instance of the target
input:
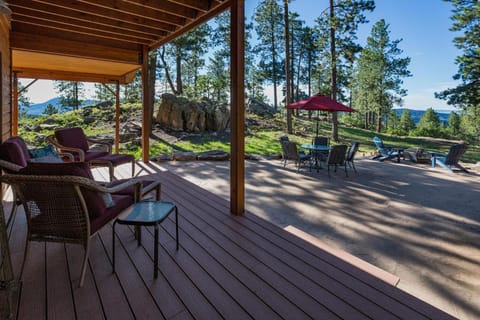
(147, 213)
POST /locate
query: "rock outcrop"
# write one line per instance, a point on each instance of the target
(181, 114)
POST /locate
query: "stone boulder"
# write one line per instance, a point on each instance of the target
(213, 155)
(182, 114)
(258, 107)
(184, 156)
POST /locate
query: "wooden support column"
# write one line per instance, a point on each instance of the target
(237, 107)
(117, 116)
(146, 121)
(15, 106)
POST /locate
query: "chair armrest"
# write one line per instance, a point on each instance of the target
(104, 142)
(100, 187)
(67, 155)
(63, 149)
(10, 166)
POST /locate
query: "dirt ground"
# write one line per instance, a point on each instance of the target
(417, 222)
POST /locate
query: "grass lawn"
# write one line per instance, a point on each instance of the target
(261, 138)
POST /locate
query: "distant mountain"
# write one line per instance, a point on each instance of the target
(37, 109)
(417, 114)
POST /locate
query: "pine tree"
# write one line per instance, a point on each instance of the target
(50, 109)
(429, 124)
(466, 20)
(454, 124)
(269, 28)
(379, 73)
(406, 122)
(71, 94)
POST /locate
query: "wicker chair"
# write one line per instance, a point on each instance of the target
(336, 157)
(74, 141)
(68, 209)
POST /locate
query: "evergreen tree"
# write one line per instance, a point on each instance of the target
(102, 93)
(337, 40)
(50, 109)
(466, 19)
(379, 73)
(454, 124)
(406, 122)
(71, 94)
(269, 28)
(23, 100)
(429, 124)
(132, 92)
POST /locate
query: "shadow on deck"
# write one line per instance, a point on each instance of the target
(227, 267)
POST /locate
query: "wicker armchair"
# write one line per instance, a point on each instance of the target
(68, 209)
(74, 141)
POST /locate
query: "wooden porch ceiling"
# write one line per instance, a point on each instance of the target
(97, 40)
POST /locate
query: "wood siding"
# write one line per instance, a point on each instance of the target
(5, 78)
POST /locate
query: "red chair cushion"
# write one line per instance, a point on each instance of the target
(72, 137)
(95, 204)
(15, 150)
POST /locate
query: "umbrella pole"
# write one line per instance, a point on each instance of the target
(316, 133)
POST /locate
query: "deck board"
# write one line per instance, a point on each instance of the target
(227, 268)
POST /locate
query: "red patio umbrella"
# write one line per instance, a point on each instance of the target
(320, 103)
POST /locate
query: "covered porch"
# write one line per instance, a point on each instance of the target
(233, 267)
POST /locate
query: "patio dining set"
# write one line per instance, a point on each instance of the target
(318, 152)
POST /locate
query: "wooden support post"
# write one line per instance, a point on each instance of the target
(117, 116)
(15, 105)
(237, 107)
(146, 121)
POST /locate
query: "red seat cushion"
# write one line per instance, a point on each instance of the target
(72, 137)
(95, 204)
(15, 150)
(121, 203)
(116, 159)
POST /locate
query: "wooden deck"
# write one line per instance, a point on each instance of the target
(227, 267)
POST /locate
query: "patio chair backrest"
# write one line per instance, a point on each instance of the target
(352, 150)
(378, 142)
(337, 155)
(291, 150)
(320, 141)
(455, 154)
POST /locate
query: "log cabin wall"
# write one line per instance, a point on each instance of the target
(5, 78)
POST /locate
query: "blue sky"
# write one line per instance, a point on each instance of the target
(424, 27)
(422, 24)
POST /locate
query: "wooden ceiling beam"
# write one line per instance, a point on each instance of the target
(100, 12)
(38, 43)
(79, 30)
(212, 13)
(167, 7)
(47, 20)
(53, 35)
(200, 5)
(132, 9)
(69, 76)
(38, 9)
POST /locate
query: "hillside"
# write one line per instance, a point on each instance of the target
(417, 114)
(37, 109)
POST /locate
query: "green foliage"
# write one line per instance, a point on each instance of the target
(429, 124)
(406, 122)
(71, 94)
(454, 124)
(466, 21)
(378, 80)
(50, 109)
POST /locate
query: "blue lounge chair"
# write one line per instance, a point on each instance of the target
(451, 158)
(386, 152)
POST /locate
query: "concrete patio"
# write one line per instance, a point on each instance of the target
(417, 222)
